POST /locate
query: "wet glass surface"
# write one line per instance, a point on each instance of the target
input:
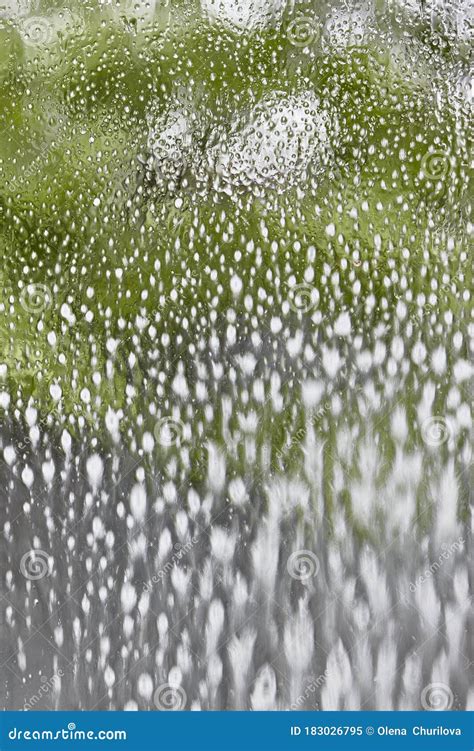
(236, 354)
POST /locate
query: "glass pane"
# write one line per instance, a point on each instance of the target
(235, 354)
